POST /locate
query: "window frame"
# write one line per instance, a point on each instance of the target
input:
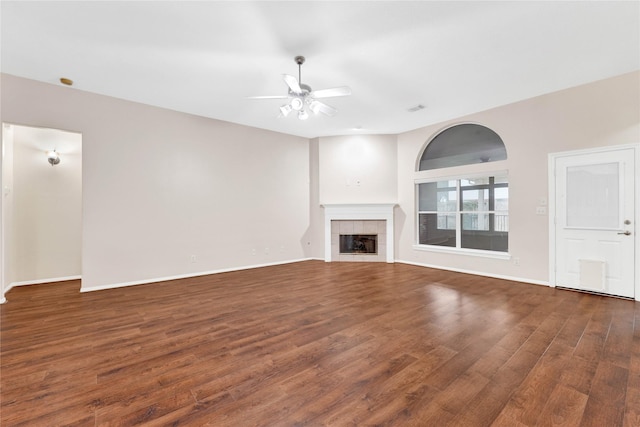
(459, 212)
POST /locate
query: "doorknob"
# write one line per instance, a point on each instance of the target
(626, 233)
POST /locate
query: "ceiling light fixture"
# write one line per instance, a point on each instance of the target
(302, 98)
(314, 106)
(53, 157)
(285, 110)
(296, 104)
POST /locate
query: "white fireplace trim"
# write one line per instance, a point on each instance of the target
(369, 211)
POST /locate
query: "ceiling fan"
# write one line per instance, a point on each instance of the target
(302, 98)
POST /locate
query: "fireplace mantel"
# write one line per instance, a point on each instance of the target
(360, 211)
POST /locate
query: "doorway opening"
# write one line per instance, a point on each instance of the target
(41, 205)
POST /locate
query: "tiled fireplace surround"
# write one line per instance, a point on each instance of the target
(359, 219)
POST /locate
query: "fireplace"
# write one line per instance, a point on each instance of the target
(359, 233)
(359, 244)
(358, 240)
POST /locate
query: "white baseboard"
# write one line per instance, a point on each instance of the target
(249, 267)
(478, 273)
(36, 282)
(41, 281)
(185, 276)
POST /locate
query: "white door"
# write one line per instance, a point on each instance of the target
(594, 221)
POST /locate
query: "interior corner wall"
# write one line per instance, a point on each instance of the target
(603, 113)
(168, 194)
(358, 169)
(314, 238)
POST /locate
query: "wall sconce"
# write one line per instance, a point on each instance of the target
(53, 157)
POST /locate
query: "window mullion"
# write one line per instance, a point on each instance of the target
(492, 202)
(459, 214)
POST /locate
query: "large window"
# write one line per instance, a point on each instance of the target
(465, 213)
(470, 212)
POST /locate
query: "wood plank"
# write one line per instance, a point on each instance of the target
(565, 407)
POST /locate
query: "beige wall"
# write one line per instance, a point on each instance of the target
(358, 169)
(598, 114)
(314, 239)
(160, 186)
(47, 213)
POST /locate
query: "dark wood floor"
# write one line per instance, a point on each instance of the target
(313, 343)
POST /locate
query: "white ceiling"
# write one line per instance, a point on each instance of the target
(206, 58)
(44, 139)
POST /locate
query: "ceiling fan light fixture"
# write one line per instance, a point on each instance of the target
(285, 109)
(296, 104)
(302, 98)
(314, 106)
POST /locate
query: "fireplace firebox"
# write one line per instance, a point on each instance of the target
(359, 244)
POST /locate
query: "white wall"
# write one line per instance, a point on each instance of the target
(47, 213)
(598, 114)
(7, 269)
(358, 169)
(161, 186)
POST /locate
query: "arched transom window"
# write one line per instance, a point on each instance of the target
(463, 144)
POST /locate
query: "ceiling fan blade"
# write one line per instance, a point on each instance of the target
(293, 84)
(317, 106)
(328, 93)
(268, 97)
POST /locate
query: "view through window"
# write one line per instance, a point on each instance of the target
(465, 213)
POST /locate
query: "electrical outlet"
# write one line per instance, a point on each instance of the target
(541, 210)
(266, 251)
(516, 261)
(193, 259)
(253, 251)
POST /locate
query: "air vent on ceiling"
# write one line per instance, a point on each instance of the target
(416, 108)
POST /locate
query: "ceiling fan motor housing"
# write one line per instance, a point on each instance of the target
(305, 87)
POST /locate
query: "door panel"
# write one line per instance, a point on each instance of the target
(594, 229)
